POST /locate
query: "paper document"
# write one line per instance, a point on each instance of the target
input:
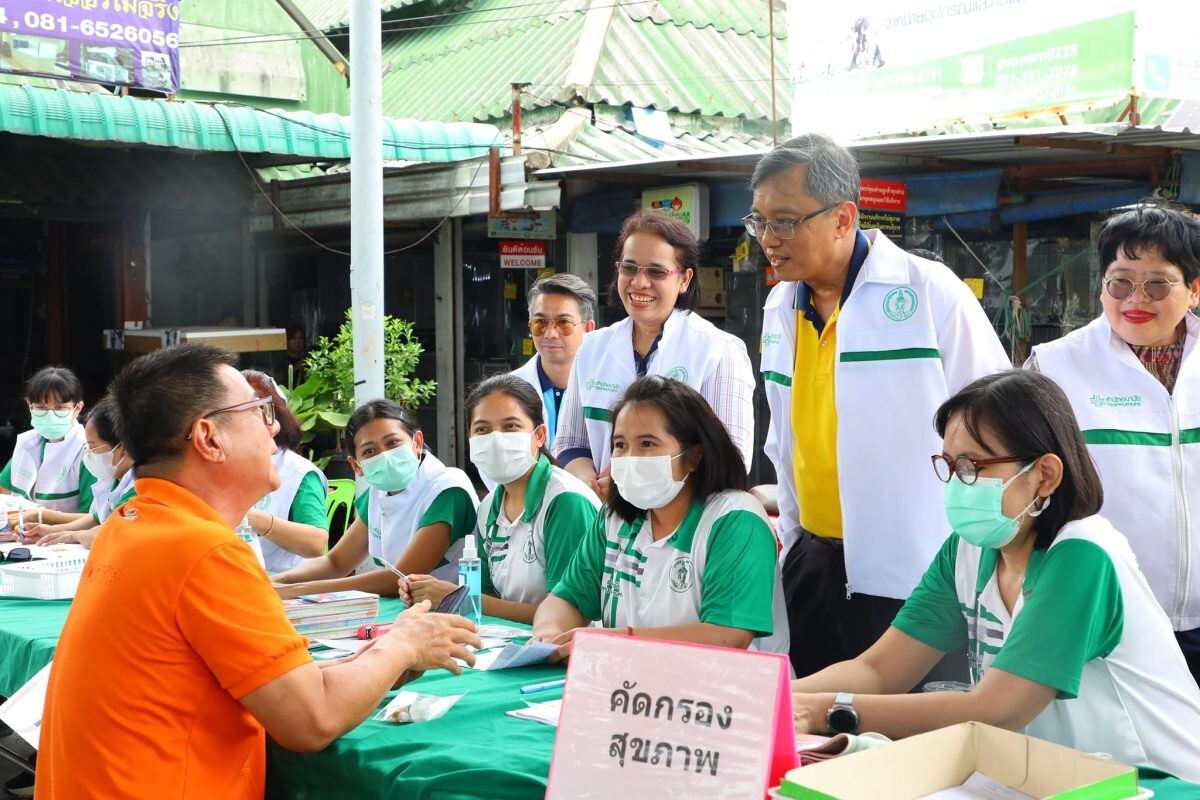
(348, 646)
(23, 711)
(978, 787)
(513, 655)
(493, 631)
(545, 713)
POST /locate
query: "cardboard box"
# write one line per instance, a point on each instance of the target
(920, 765)
(239, 340)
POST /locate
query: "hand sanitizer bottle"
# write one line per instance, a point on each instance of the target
(246, 533)
(469, 576)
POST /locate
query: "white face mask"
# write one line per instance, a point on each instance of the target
(646, 481)
(101, 465)
(503, 457)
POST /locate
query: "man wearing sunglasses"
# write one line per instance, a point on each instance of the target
(861, 343)
(176, 655)
(1133, 378)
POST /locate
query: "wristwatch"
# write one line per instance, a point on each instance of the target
(841, 717)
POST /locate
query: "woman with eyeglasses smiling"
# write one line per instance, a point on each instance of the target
(47, 462)
(657, 283)
(1133, 378)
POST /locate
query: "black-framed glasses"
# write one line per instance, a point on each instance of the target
(1155, 289)
(782, 228)
(61, 411)
(266, 404)
(654, 272)
(967, 469)
(538, 326)
(17, 555)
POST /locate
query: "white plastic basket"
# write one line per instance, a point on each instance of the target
(56, 579)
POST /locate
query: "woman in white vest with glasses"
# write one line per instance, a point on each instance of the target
(1133, 378)
(531, 524)
(681, 550)
(290, 521)
(47, 462)
(414, 514)
(657, 283)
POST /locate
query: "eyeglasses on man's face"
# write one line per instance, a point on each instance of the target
(1155, 289)
(781, 228)
(539, 325)
(967, 469)
(265, 404)
(654, 272)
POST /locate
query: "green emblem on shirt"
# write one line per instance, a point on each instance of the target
(1115, 400)
(900, 303)
(681, 574)
(530, 554)
(769, 339)
(62, 474)
(677, 374)
(601, 386)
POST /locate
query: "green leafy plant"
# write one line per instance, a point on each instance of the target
(324, 401)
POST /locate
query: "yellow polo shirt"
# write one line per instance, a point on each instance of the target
(814, 426)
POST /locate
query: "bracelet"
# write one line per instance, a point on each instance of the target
(270, 527)
(629, 628)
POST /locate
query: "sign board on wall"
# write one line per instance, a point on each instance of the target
(522, 225)
(881, 205)
(113, 42)
(635, 723)
(522, 255)
(687, 203)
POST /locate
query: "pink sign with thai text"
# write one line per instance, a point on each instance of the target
(650, 718)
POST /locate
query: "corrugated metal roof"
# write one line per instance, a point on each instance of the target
(199, 126)
(600, 144)
(739, 16)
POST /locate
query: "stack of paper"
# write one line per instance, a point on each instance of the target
(332, 614)
(546, 713)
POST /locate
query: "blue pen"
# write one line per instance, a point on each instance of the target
(541, 687)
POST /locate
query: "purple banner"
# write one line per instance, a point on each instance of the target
(113, 42)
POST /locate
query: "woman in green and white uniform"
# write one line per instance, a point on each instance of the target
(414, 515)
(47, 462)
(1065, 637)
(531, 524)
(682, 551)
(105, 459)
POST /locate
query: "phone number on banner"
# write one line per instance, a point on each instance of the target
(133, 34)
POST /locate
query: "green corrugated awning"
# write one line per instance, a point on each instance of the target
(188, 125)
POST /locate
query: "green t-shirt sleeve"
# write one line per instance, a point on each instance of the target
(308, 506)
(362, 507)
(86, 481)
(568, 519)
(932, 614)
(580, 584)
(1073, 613)
(6, 476)
(739, 574)
(455, 507)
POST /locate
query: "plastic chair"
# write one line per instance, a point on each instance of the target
(339, 508)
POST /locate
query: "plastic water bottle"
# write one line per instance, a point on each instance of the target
(469, 576)
(247, 534)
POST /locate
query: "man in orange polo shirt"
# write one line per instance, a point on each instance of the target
(176, 654)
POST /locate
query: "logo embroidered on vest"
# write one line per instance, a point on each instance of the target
(530, 554)
(681, 574)
(1116, 400)
(375, 532)
(677, 374)
(769, 339)
(130, 513)
(601, 386)
(900, 303)
(62, 474)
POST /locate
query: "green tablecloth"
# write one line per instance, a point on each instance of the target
(29, 632)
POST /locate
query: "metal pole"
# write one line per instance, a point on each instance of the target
(366, 198)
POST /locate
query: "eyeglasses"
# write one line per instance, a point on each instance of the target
(654, 272)
(781, 228)
(17, 555)
(967, 469)
(61, 411)
(1155, 289)
(266, 404)
(538, 326)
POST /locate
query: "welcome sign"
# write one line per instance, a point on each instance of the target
(638, 721)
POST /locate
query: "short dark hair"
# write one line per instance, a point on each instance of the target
(691, 421)
(676, 234)
(103, 417)
(378, 409)
(57, 382)
(159, 396)
(569, 285)
(1030, 416)
(832, 175)
(518, 389)
(1152, 226)
(293, 328)
(290, 435)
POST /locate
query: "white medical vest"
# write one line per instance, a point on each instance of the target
(292, 468)
(51, 477)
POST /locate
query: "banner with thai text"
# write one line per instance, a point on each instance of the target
(112, 42)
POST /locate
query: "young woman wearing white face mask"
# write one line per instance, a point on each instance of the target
(47, 462)
(1064, 635)
(531, 524)
(106, 460)
(695, 557)
(414, 515)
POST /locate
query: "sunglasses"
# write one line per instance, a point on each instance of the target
(17, 555)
